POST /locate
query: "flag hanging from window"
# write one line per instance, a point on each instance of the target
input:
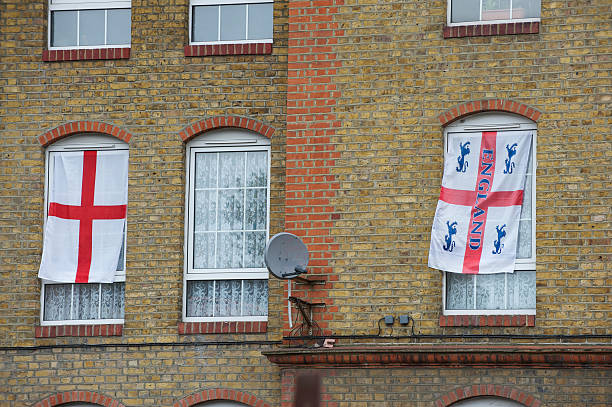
(475, 228)
(87, 202)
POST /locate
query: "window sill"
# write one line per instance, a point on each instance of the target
(57, 55)
(483, 30)
(79, 330)
(260, 48)
(235, 327)
(487, 320)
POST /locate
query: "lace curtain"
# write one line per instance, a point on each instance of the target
(227, 298)
(64, 302)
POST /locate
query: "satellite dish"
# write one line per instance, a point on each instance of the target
(286, 256)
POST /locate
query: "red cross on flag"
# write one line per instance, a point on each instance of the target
(475, 228)
(86, 216)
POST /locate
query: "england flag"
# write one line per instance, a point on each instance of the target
(84, 230)
(475, 228)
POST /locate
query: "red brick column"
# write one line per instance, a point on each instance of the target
(311, 125)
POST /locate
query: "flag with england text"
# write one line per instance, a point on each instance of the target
(475, 228)
(87, 203)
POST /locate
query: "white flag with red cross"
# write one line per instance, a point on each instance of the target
(475, 228)
(84, 231)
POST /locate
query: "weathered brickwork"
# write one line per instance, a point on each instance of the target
(354, 97)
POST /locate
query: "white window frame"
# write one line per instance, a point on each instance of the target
(481, 22)
(497, 121)
(194, 3)
(78, 5)
(80, 142)
(222, 140)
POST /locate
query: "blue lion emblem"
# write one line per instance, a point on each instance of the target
(452, 230)
(465, 150)
(511, 153)
(501, 233)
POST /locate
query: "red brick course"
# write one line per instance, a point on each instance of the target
(506, 392)
(482, 30)
(85, 54)
(221, 394)
(73, 396)
(79, 330)
(488, 105)
(186, 328)
(83, 126)
(218, 122)
(228, 49)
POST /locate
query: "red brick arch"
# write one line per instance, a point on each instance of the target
(218, 122)
(221, 394)
(506, 392)
(84, 396)
(83, 126)
(488, 105)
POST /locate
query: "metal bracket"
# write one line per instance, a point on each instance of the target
(308, 281)
(305, 309)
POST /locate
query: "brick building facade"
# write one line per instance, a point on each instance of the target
(352, 101)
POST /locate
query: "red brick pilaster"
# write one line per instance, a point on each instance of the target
(311, 127)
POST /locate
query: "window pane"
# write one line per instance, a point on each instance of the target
(119, 24)
(233, 22)
(459, 291)
(229, 250)
(200, 298)
(526, 8)
(206, 170)
(495, 9)
(257, 169)
(255, 297)
(57, 302)
(256, 209)
(523, 248)
(521, 290)
(231, 170)
(204, 250)
(227, 298)
(490, 291)
(63, 28)
(121, 261)
(464, 10)
(205, 24)
(260, 21)
(527, 202)
(91, 27)
(112, 303)
(231, 209)
(86, 301)
(205, 212)
(255, 243)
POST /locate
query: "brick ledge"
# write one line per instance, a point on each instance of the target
(487, 320)
(260, 48)
(234, 327)
(484, 30)
(79, 330)
(85, 54)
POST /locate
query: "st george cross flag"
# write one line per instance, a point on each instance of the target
(475, 228)
(87, 197)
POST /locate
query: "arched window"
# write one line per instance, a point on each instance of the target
(221, 403)
(487, 402)
(226, 226)
(81, 303)
(504, 293)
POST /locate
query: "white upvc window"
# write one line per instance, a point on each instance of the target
(86, 303)
(465, 12)
(226, 227)
(75, 24)
(504, 293)
(230, 21)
